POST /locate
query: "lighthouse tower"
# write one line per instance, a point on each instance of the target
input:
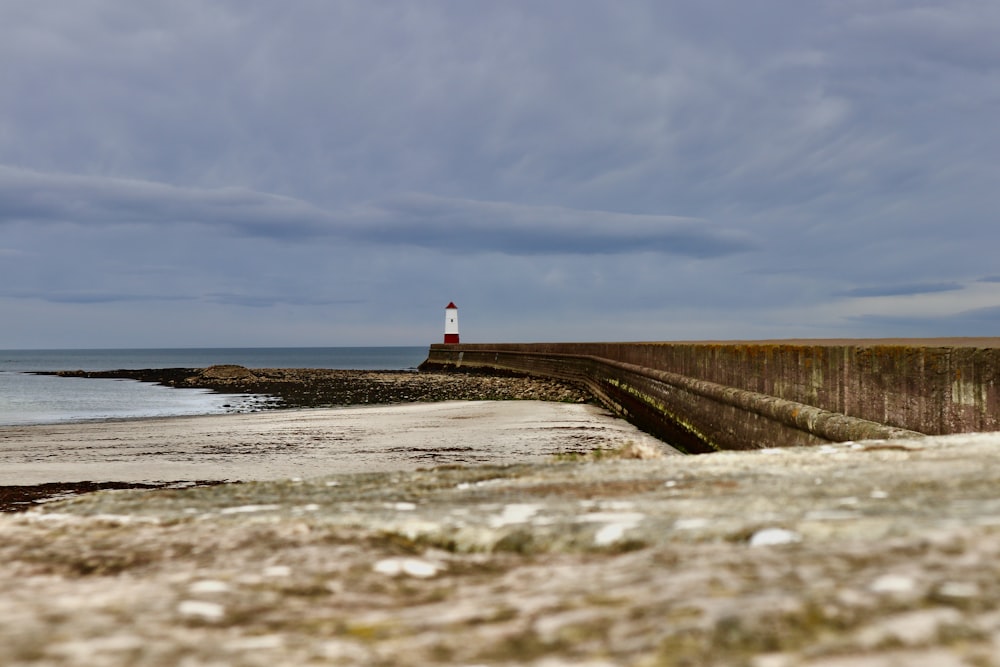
(451, 324)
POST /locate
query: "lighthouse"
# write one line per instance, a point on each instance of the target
(451, 324)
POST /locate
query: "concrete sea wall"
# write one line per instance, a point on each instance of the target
(708, 396)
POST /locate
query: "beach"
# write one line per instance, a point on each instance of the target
(315, 421)
(301, 443)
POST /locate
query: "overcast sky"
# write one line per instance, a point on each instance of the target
(325, 172)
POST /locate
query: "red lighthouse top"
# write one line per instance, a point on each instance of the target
(451, 304)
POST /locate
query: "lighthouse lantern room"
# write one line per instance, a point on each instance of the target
(451, 324)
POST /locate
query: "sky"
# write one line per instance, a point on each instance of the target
(242, 173)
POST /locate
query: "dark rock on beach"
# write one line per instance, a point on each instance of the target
(20, 498)
(322, 387)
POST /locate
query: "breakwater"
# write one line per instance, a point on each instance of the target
(709, 396)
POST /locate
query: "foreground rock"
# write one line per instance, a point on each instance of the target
(875, 554)
(322, 387)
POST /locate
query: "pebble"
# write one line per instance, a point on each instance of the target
(769, 537)
(513, 514)
(412, 567)
(893, 583)
(611, 533)
(199, 609)
(402, 507)
(249, 509)
(209, 586)
(261, 643)
(958, 590)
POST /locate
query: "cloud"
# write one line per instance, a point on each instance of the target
(334, 172)
(902, 290)
(31, 196)
(267, 301)
(976, 321)
(519, 229)
(89, 296)
(405, 220)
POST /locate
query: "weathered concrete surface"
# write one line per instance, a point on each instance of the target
(876, 554)
(703, 396)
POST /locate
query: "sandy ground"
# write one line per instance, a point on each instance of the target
(307, 443)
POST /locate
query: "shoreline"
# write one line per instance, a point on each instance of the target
(305, 388)
(41, 462)
(321, 387)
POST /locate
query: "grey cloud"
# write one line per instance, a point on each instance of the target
(977, 321)
(408, 220)
(989, 315)
(902, 290)
(959, 34)
(221, 298)
(27, 195)
(90, 296)
(577, 155)
(519, 229)
(266, 301)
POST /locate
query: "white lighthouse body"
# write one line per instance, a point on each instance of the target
(451, 324)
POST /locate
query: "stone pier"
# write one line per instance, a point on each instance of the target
(711, 396)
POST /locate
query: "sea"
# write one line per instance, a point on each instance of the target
(44, 399)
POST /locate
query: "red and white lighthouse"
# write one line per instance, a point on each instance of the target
(451, 324)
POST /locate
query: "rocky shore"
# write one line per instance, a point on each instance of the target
(312, 387)
(302, 388)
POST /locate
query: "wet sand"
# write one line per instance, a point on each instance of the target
(306, 443)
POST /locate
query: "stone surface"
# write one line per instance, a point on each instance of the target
(733, 394)
(874, 553)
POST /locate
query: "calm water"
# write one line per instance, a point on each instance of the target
(34, 399)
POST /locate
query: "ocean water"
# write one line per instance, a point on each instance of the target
(39, 399)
